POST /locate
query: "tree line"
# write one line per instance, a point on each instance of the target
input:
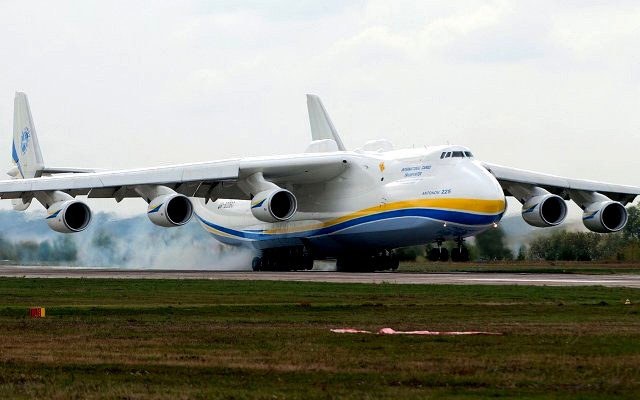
(61, 249)
(489, 245)
(560, 245)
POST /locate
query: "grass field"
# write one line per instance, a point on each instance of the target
(552, 267)
(126, 339)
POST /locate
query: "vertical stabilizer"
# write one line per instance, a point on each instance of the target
(321, 125)
(25, 152)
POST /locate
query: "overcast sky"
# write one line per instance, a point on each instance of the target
(544, 85)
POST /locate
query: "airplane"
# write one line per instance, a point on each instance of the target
(354, 206)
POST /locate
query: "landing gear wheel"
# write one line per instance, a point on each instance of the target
(444, 254)
(464, 254)
(307, 263)
(460, 254)
(455, 254)
(394, 261)
(434, 254)
(256, 263)
(344, 264)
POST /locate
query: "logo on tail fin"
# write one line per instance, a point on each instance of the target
(26, 135)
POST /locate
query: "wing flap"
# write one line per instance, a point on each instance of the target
(208, 180)
(104, 184)
(299, 169)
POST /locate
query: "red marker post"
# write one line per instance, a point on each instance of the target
(36, 312)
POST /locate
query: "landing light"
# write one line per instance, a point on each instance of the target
(495, 224)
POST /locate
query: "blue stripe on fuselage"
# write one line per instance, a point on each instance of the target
(457, 217)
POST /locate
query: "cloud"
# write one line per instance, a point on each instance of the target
(540, 85)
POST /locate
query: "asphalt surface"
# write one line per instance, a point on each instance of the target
(459, 278)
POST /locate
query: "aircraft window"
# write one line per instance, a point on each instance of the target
(448, 154)
(468, 154)
(458, 154)
(442, 155)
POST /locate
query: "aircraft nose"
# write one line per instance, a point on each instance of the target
(485, 186)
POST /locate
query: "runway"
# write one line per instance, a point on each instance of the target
(460, 278)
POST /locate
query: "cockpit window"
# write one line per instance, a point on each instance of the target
(468, 154)
(442, 155)
(448, 154)
(458, 154)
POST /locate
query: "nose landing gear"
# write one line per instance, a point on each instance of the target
(458, 254)
(438, 253)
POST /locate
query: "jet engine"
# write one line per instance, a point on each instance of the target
(170, 210)
(544, 210)
(68, 216)
(605, 217)
(274, 205)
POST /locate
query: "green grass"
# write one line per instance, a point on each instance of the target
(550, 267)
(231, 339)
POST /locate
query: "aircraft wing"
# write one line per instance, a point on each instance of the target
(206, 180)
(558, 185)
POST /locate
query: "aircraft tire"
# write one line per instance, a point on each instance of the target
(307, 262)
(355, 264)
(444, 254)
(344, 264)
(256, 264)
(434, 254)
(394, 261)
(464, 254)
(460, 254)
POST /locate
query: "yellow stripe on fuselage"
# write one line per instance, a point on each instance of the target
(466, 205)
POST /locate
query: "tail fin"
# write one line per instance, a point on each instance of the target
(25, 151)
(321, 125)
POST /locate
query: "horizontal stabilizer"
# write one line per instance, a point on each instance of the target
(65, 170)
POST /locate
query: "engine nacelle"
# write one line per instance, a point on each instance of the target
(605, 217)
(68, 216)
(274, 205)
(170, 210)
(544, 210)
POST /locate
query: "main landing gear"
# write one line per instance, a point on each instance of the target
(385, 260)
(283, 259)
(458, 254)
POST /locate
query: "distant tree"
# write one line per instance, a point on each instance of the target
(103, 240)
(582, 246)
(27, 251)
(631, 231)
(45, 251)
(64, 249)
(410, 253)
(522, 253)
(490, 245)
(7, 250)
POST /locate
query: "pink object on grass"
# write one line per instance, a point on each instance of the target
(390, 331)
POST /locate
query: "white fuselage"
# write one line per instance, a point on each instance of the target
(383, 200)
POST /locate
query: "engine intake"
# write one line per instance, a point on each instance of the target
(605, 217)
(274, 205)
(170, 210)
(544, 210)
(68, 216)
